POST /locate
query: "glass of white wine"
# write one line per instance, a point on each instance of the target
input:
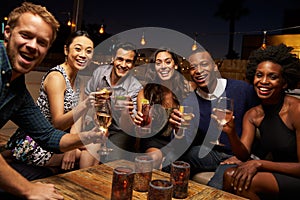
(103, 120)
(224, 113)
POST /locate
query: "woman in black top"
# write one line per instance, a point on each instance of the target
(272, 71)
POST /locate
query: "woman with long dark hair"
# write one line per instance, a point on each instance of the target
(164, 91)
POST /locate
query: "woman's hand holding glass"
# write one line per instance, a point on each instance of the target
(143, 119)
(143, 125)
(175, 119)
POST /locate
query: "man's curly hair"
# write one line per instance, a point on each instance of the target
(280, 54)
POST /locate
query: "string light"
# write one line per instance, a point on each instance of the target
(69, 21)
(143, 41)
(252, 32)
(264, 44)
(194, 46)
(101, 30)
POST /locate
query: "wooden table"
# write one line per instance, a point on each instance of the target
(94, 183)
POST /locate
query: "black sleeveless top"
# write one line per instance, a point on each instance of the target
(276, 137)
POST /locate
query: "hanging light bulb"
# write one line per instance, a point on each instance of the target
(69, 21)
(194, 46)
(264, 44)
(101, 30)
(143, 41)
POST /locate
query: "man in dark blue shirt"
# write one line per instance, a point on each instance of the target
(201, 153)
(28, 35)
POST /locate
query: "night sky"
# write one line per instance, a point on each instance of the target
(187, 17)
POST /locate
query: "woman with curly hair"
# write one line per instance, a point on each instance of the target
(272, 71)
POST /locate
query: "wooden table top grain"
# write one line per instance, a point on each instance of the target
(94, 183)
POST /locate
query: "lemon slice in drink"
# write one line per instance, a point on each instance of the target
(105, 93)
(181, 109)
(145, 101)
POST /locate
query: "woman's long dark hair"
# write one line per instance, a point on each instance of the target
(155, 87)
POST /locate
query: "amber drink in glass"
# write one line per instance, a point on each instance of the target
(143, 173)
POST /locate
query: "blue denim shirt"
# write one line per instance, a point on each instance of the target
(17, 105)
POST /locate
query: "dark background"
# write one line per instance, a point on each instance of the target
(188, 17)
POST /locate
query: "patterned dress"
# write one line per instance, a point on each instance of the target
(23, 147)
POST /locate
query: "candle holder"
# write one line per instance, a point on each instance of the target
(143, 173)
(180, 174)
(122, 183)
(160, 189)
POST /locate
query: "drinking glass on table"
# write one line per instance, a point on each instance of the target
(122, 183)
(224, 113)
(160, 189)
(103, 120)
(179, 176)
(143, 173)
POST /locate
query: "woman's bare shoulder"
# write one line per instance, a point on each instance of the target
(292, 103)
(292, 99)
(256, 111)
(255, 115)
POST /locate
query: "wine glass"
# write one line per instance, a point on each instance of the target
(224, 113)
(103, 120)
